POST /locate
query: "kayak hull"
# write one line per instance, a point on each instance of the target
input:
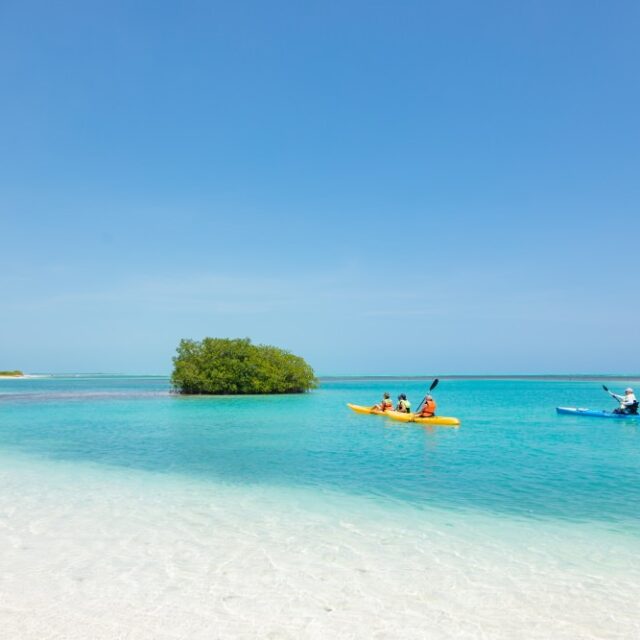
(440, 421)
(594, 413)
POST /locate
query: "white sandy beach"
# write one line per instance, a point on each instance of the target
(118, 554)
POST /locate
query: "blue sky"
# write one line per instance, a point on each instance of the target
(381, 187)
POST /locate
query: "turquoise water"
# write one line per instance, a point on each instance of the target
(512, 454)
(134, 513)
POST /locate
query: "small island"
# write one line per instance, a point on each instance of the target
(11, 374)
(221, 366)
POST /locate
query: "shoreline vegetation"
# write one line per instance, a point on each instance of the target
(220, 366)
(12, 374)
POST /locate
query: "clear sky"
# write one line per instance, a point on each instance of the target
(380, 187)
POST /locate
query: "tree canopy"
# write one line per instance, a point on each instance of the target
(14, 373)
(221, 366)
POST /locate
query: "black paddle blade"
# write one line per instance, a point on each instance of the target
(434, 384)
(605, 388)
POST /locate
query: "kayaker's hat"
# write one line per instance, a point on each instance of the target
(386, 395)
(628, 390)
(429, 397)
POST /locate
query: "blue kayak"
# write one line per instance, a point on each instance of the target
(594, 413)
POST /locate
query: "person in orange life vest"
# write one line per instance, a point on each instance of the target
(428, 408)
(385, 405)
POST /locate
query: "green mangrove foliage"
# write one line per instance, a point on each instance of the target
(14, 373)
(222, 366)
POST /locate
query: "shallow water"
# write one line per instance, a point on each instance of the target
(137, 514)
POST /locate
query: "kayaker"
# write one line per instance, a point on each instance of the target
(628, 402)
(385, 405)
(428, 408)
(403, 404)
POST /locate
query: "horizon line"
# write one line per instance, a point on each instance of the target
(449, 376)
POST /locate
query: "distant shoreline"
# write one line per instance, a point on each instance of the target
(578, 377)
(525, 376)
(22, 376)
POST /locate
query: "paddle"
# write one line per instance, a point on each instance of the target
(434, 384)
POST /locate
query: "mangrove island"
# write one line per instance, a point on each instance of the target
(221, 366)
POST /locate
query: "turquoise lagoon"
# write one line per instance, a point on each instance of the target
(126, 511)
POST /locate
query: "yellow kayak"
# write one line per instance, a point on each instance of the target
(441, 421)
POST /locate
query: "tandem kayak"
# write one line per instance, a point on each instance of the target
(594, 413)
(441, 421)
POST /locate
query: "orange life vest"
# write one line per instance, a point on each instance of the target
(428, 409)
